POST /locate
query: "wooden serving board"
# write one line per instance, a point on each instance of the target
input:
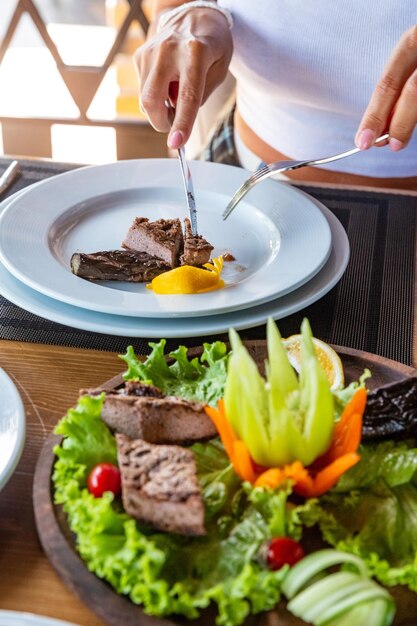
(116, 610)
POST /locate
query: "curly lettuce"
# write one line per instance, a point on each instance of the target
(201, 379)
(166, 573)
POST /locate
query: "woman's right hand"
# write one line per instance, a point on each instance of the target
(194, 50)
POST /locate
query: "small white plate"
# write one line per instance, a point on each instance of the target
(279, 237)
(16, 618)
(18, 293)
(12, 427)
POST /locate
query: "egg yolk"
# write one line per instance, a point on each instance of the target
(189, 279)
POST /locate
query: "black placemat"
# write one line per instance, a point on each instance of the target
(371, 308)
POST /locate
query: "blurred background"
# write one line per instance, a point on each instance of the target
(68, 85)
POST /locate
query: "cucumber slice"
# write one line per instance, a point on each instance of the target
(366, 596)
(344, 598)
(304, 570)
(316, 609)
(375, 613)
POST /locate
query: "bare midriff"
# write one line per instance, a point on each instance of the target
(315, 174)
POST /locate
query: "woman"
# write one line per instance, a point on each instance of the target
(312, 77)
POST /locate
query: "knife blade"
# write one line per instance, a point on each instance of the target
(186, 178)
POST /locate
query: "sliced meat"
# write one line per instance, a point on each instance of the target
(196, 249)
(139, 389)
(130, 388)
(160, 486)
(162, 239)
(157, 420)
(136, 267)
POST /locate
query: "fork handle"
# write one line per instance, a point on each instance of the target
(342, 155)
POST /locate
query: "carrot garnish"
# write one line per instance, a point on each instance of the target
(242, 462)
(272, 478)
(347, 432)
(311, 481)
(275, 476)
(310, 487)
(236, 450)
(223, 427)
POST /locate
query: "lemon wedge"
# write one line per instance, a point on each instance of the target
(188, 279)
(328, 359)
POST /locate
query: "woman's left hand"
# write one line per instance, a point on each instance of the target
(393, 104)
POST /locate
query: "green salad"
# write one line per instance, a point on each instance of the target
(368, 518)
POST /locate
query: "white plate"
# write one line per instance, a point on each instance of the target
(33, 301)
(12, 427)
(279, 238)
(16, 618)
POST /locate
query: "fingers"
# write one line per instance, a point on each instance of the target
(393, 104)
(194, 52)
(156, 73)
(404, 118)
(191, 89)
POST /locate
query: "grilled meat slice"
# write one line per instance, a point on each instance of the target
(162, 239)
(157, 419)
(196, 249)
(139, 389)
(391, 411)
(130, 388)
(136, 267)
(160, 486)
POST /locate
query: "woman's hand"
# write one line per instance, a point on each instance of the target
(393, 104)
(193, 50)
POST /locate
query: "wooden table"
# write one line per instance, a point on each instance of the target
(48, 379)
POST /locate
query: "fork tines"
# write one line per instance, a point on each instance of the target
(244, 188)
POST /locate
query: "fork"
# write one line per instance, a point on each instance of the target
(284, 166)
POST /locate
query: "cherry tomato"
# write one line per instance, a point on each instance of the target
(104, 477)
(283, 551)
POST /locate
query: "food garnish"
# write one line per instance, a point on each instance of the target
(188, 279)
(285, 424)
(104, 477)
(328, 358)
(283, 551)
(310, 481)
(344, 598)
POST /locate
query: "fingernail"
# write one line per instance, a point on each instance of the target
(175, 140)
(396, 144)
(365, 139)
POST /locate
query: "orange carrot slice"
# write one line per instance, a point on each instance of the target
(347, 432)
(275, 476)
(270, 478)
(223, 427)
(327, 477)
(242, 462)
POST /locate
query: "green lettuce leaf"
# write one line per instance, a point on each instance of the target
(165, 573)
(372, 512)
(201, 379)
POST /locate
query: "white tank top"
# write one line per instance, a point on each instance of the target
(305, 71)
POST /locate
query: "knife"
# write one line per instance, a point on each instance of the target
(186, 177)
(9, 176)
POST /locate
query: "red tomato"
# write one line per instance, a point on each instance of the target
(104, 477)
(283, 551)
